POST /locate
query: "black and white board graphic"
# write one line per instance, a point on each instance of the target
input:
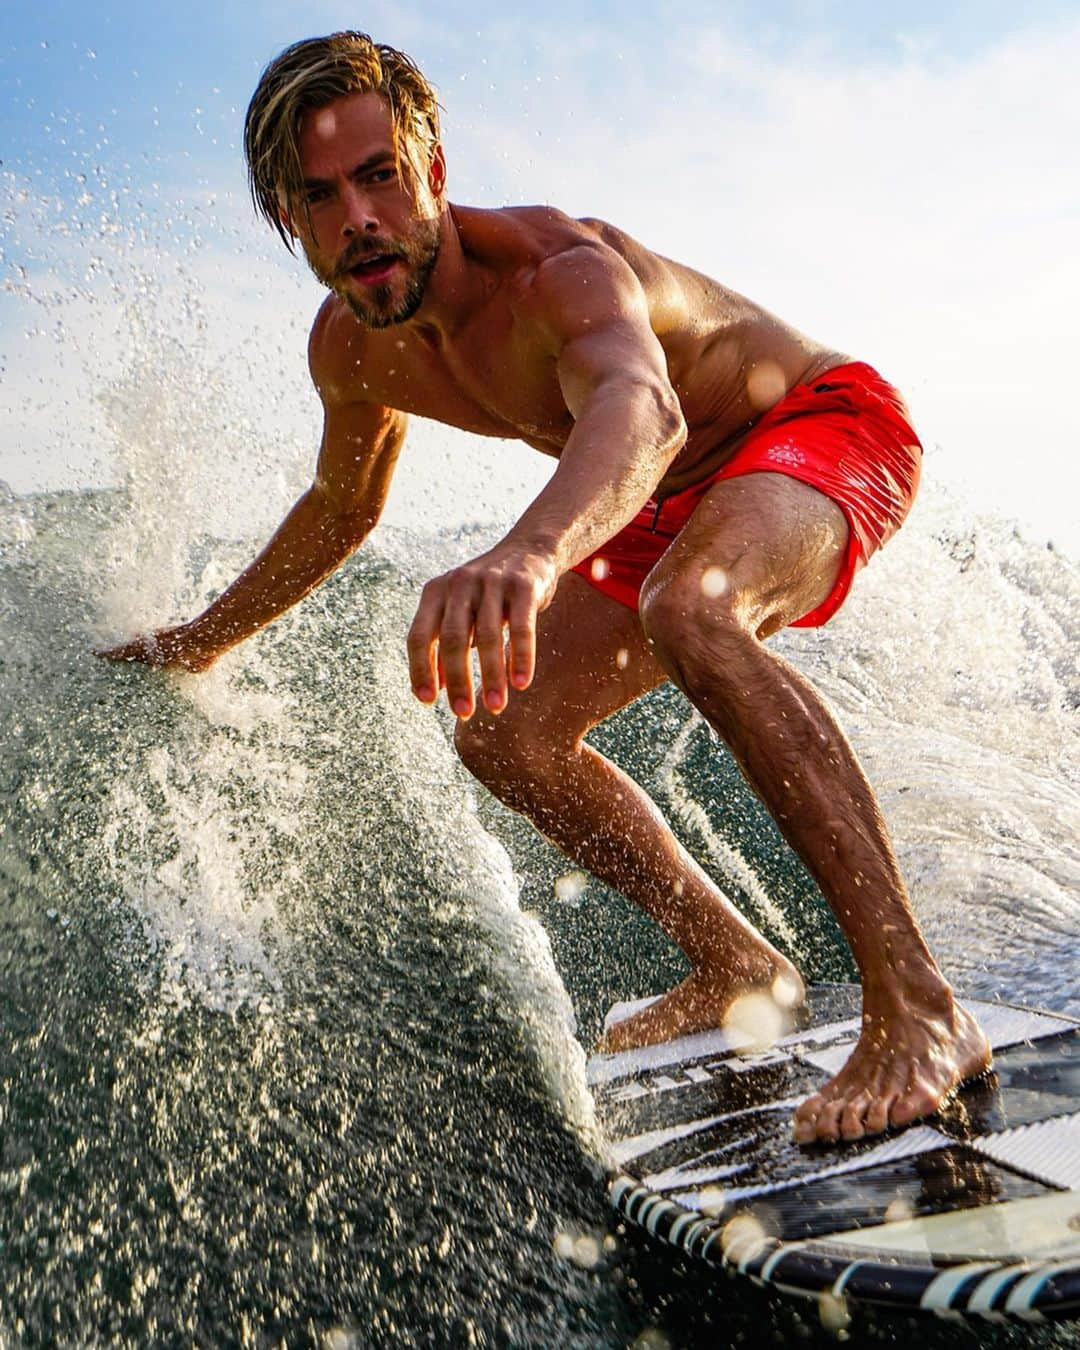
(974, 1212)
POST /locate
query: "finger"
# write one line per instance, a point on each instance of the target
(522, 637)
(455, 652)
(491, 647)
(420, 643)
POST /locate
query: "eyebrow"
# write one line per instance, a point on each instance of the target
(379, 157)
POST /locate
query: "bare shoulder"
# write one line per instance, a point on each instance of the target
(336, 353)
(570, 277)
(338, 359)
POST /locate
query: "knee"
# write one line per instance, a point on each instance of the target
(499, 754)
(698, 625)
(477, 748)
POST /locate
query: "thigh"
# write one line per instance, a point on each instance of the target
(592, 658)
(763, 548)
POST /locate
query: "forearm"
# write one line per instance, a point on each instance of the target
(620, 448)
(309, 544)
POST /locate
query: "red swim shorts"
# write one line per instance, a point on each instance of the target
(848, 434)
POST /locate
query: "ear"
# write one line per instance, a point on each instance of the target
(436, 174)
(286, 220)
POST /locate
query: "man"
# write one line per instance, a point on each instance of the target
(720, 476)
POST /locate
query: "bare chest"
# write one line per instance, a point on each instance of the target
(495, 379)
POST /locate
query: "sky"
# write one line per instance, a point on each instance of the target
(898, 181)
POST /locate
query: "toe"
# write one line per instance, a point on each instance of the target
(806, 1114)
(827, 1125)
(853, 1122)
(877, 1115)
(920, 1100)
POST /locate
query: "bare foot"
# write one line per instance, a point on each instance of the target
(761, 1008)
(910, 1058)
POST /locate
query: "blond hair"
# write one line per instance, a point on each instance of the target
(310, 74)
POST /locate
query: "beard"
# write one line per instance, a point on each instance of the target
(378, 309)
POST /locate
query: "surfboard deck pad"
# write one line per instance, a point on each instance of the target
(974, 1212)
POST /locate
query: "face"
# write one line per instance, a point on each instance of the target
(370, 233)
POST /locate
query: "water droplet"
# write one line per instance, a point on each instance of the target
(652, 1338)
(898, 1209)
(834, 1313)
(570, 887)
(586, 1253)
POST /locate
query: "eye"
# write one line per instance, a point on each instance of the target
(383, 175)
(313, 195)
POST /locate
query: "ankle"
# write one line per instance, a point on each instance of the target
(899, 991)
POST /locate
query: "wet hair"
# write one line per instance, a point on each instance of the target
(310, 74)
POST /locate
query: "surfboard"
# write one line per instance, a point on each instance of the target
(972, 1213)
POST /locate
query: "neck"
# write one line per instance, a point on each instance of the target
(456, 288)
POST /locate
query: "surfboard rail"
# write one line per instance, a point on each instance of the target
(1017, 1290)
(972, 1214)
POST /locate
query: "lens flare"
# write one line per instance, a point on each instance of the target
(765, 384)
(786, 992)
(755, 1022)
(741, 1237)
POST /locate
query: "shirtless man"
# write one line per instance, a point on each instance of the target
(719, 477)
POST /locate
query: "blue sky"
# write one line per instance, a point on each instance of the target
(898, 180)
(112, 64)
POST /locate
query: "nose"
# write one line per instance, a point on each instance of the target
(358, 218)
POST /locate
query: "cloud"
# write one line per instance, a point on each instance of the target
(915, 210)
(912, 207)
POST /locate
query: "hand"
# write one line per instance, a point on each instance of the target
(471, 606)
(168, 648)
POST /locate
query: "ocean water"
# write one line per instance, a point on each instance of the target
(293, 1016)
(292, 1013)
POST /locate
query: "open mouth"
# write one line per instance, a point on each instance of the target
(375, 269)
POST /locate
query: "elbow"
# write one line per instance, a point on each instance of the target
(672, 422)
(351, 528)
(664, 413)
(342, 525)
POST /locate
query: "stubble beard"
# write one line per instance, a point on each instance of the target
(420, 254)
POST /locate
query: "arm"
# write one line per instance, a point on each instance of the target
(628, 427)
(360, 446)
(628, 423)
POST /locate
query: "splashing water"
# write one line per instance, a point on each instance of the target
(283, 1055)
